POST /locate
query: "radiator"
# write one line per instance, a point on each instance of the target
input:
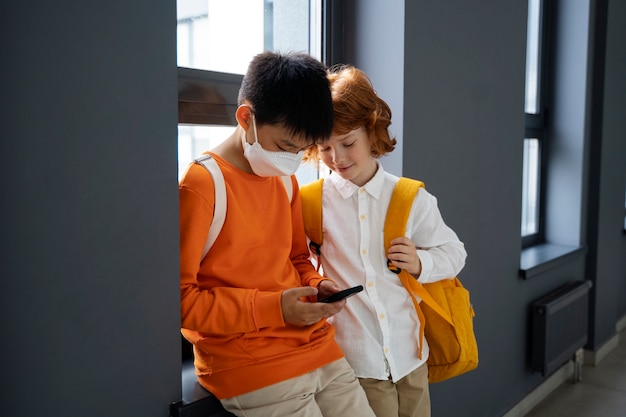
(559, 326)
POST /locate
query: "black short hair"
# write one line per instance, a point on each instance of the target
(291, 90)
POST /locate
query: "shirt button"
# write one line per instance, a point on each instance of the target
(370, 284)
(386, 350)
(361, 190)
(364, 251)
(362, 216)
(381, 316)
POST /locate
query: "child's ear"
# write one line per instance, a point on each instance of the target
(244, 116)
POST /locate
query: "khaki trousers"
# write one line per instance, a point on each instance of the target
(330, 391)
(409, 397)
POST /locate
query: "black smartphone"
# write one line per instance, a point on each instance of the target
(342, 294)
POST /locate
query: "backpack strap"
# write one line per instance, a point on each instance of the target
(398, 211)
(288, 185)
(219, 212)
(395, 225)
(311, 195)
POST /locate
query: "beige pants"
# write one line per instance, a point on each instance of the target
(409, 397)
(330, 391)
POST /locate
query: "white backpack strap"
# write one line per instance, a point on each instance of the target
(288, 186)
(219, 212)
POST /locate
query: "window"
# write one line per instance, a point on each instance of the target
(216, 41)
(530, 187)
(223, 36)
(535, 110)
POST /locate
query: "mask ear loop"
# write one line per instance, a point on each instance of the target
(256, 137)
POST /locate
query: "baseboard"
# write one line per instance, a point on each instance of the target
(592, 358)
(563, 374)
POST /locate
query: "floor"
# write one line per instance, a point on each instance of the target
(601, 393)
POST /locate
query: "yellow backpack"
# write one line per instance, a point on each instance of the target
(446, 313)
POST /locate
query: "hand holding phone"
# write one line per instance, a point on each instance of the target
(342, 294)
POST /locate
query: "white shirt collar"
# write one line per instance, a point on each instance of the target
(373, 187)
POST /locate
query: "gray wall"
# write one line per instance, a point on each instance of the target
(378, 46)
(464, 111)
(89, 307)
(609, 266)
(89, 212)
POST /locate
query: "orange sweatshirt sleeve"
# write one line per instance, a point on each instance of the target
(300, 251)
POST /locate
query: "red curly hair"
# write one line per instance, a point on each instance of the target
(356, 104)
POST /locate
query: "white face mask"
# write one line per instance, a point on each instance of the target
(266, 163)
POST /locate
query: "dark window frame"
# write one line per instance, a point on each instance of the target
(536, 125)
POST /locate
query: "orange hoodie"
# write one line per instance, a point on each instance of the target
(230, 300)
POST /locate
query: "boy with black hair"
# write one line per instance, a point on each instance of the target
(260, 345)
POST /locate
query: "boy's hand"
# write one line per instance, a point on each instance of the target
(304, 313)
(326, 288)
(403, 254)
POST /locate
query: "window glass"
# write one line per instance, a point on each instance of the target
(194, 140)
(533, 61)
(223, 36)
(530, 188)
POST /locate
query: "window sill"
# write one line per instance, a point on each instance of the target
(196, 401)
(538, 259)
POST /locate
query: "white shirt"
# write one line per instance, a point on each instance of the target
(378, 328)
